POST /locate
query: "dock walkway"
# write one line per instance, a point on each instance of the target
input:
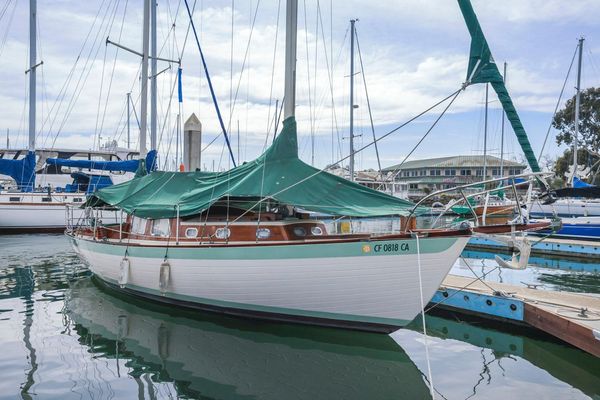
(571, 248)
(572, 317)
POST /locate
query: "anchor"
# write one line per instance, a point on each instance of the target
(521, 250)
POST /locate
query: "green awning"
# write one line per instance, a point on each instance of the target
(277, 174)
(483, 69)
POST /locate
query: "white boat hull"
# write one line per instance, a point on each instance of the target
(363, 284)
(566, 208)
(32, 214)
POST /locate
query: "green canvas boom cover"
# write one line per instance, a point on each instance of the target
(277, 174)
(483, 69)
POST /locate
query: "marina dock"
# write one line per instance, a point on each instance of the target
(571, 317)
(568, 248)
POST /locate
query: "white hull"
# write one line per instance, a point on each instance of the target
(32, 214)
(567, 208)
(329, 282)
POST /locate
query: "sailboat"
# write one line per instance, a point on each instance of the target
(578, 206)
(241, 242)
(581, 199)
(25, 208)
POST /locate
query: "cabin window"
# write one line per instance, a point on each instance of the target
(191, 233)
(161, 227)
(77, 200)
(263, 233)
(14, 199)
(223, 233)
(316, 231)
(138, 225)
(299, 231)
(46, 199)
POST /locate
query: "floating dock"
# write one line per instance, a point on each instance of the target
(571, 248)
(571, 317)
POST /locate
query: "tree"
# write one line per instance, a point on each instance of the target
(589, 121)
(584, 157)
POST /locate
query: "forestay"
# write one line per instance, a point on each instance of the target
(277, 174)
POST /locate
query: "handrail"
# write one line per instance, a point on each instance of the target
(530, 176)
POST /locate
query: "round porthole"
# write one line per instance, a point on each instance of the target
(263, 233)
(316, 230)
(191, 233)
(299, 231)
(223, 233)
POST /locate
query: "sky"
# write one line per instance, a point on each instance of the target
(414, 53)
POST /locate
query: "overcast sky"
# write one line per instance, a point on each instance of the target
(414, 54)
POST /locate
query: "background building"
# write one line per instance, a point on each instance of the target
(421, 177)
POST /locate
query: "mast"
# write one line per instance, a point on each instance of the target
(502, 131)
(485, 128)
(153, 74)
(577, 105)
(144, 94)
(352, 21)
(32, 67)
(291, 24)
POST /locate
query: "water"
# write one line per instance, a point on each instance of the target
(63, 336)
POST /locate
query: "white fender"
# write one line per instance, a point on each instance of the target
(164, 277)
(124, 272)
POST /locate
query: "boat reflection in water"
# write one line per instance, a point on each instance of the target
(221, 357)
(498, 364)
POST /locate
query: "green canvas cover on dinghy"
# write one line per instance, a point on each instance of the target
(483, 69)
(277, 174)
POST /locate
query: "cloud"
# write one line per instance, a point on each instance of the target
(414, 54)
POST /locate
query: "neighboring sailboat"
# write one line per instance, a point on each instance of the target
(26, 208)
(570, 202)
(578, 206)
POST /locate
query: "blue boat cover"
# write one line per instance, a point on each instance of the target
(127, 165)
(578, 183)
(88, 183)
(22, 171)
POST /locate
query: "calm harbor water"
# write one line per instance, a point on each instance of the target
(63, 336)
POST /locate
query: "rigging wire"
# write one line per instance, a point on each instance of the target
(310, 105)
(212, 92)
(243, 65)
(112, 73)
(453, 95)
(272, 79)
(314, 121)
(393, 176)
(8, 25)
(63, 91)
(231, 66)
(84, 76)
(362, 70)
(558, 103)
(97, 132)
